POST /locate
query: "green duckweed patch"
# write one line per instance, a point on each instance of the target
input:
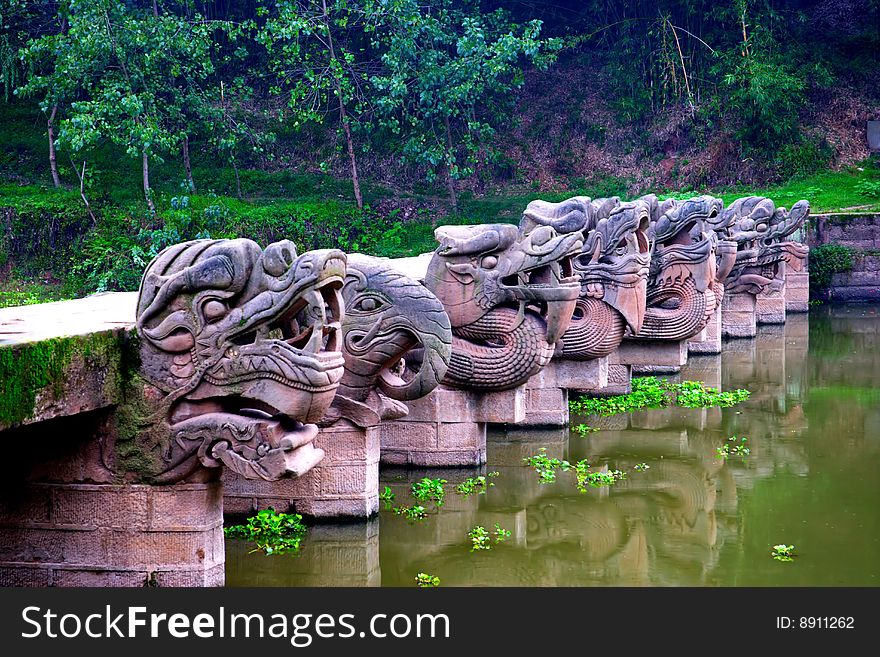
(271, 531)
(651, 392)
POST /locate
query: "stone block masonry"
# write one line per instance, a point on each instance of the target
(67, 534)
(861, 233)
(345, 484)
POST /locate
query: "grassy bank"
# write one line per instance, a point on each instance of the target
(52, 248)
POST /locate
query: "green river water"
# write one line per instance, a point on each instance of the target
(812, 480)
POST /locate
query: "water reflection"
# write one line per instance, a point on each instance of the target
(690, 518)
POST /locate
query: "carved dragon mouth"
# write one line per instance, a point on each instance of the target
(550, 287)
(288, 359)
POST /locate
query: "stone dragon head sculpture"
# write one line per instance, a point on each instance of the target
(396, 342)
(612, 268)
(240, 354)
(683, 268)
(759, 229)
(509, 297)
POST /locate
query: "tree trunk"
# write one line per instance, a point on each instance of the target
(53, 163)
(450, 182)
(148, 194)
(187, 166)
(343, 117)
(237, 180)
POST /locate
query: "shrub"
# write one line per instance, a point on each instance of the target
(827, 260)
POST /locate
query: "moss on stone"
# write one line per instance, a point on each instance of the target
(29, 368)
(25, 370)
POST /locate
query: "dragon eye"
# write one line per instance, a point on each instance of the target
(489, 262)
(214, 310)
(368, 304)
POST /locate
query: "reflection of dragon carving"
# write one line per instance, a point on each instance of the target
(612, 268)
(760, 230)
(239, 348)
(683, 268)
(509, 297)
(388, 317)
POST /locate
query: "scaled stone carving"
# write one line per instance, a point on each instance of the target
(509, 297)
(681, 297)
(240, 354)
(759, 230)
(396, 342)
(612, 268)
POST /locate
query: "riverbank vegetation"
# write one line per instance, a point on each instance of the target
(363, 124)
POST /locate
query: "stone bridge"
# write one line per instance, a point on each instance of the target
(241, 377)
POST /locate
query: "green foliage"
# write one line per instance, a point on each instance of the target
(428, 489)
(387, 497)
(783, 552)
(733, 447)
(273, 532)
(414, 512)
(650, 392)
(442, 62)
(587, 478)
(480, 538)
(123, 74)
(869, 188)
(693, 394)
(475, 485)
(798, 160)
(545, 466)
(426, 581)
(582, 430)
(641, 467)
(826, 260)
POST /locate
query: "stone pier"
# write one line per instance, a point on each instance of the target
(797, 288)
(651, 356)
(448, 427)
(547, 392)
(66, 517)
(738, 315)
(770, 305)
(345, 484)
(708, 341)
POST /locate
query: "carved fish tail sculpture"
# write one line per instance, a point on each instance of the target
(681, 298)
(509, 297)
(396, 342)
(240, 353)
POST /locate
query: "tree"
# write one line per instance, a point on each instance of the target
(445, 67)
(132, 74)
(309, 45)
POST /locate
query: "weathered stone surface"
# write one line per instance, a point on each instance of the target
(225, 326)
(111, 535)
(708, 341)
(797, 289)
(490, 278)
(387, 315)
(652, 356)
(770, 307)
(612, 267)
(65, 358)
(433, 444)
(683, 268)
(446, 404)
(344, 484)
(738, 315)
(760, 230)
